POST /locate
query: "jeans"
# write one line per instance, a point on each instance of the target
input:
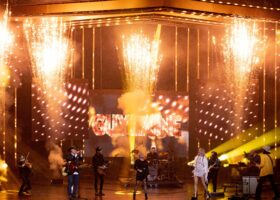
(73, 183)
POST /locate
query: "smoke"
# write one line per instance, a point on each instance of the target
(55, 158)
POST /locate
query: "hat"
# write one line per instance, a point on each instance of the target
(72, 147)
(267, 149)
(21, 158)
(98, 148)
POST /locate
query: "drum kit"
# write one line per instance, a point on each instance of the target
(161, 169)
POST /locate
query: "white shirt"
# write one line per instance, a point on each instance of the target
(200, 166)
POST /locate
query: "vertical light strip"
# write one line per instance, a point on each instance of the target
(61, 144)
(176, 59)
(101, 66)
(15, 126)
(93, 49)
(208, 53)
(264, 91)
(188, 60)
(72, 52)
(198, 63)
(83, 53)
(275, 89)
(84, 147)
(4, 124)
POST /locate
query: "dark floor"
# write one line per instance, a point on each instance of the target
(115, 191)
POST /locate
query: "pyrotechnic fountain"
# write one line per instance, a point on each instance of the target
(49, 54)
(242, 56)
(141, 65)
(49, 51)
(6, 39)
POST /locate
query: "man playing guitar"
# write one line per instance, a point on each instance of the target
(99, 165)
(24, 170)
(72, 168)
(214, 166)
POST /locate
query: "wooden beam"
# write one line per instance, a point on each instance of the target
(124, 7)
(224, 9)
(66, 8)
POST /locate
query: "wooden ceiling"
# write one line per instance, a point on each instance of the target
(197, 9)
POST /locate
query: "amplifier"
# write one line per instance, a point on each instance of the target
(249, 184)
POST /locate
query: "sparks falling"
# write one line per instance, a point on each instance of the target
(49, 49)
(243, 52)
(242, 46)
(6, 39)
(49, 54)
(141, 61)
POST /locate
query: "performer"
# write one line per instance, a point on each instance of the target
(213, 169)
(99, 164)
(72, 168)
(200, 171)
(266, 173)
(24, 171)
(152, 156)
(142, 171)
(152, 159)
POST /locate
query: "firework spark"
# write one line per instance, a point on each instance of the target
(141, 62)
(6, 39)
(242, 45)
(242, 54)
(48, 47)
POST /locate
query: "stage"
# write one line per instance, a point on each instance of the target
(114, 191)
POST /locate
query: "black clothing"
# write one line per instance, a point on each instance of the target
(143, 166)
(152, 158)
(24, 172)
(214, 166)
(98, 161)
(152, 155)
(262, 179)
(73, 162)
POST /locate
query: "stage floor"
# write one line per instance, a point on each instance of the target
(113, 191)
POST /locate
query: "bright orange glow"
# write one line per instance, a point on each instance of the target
(141, 61)
(242, 43)
(6, 39)
(49, 49)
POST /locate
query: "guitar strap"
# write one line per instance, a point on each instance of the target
(270, 160)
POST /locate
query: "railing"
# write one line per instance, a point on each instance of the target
(266, 4)
(38, 2)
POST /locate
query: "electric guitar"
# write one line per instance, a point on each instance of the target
(102, 169)
(70, 168)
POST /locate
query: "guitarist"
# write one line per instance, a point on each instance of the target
(98, 163)
(72, 168)
(266, 173)
(24, 171)
(213, 169)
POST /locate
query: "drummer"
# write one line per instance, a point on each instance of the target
(152, 158)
